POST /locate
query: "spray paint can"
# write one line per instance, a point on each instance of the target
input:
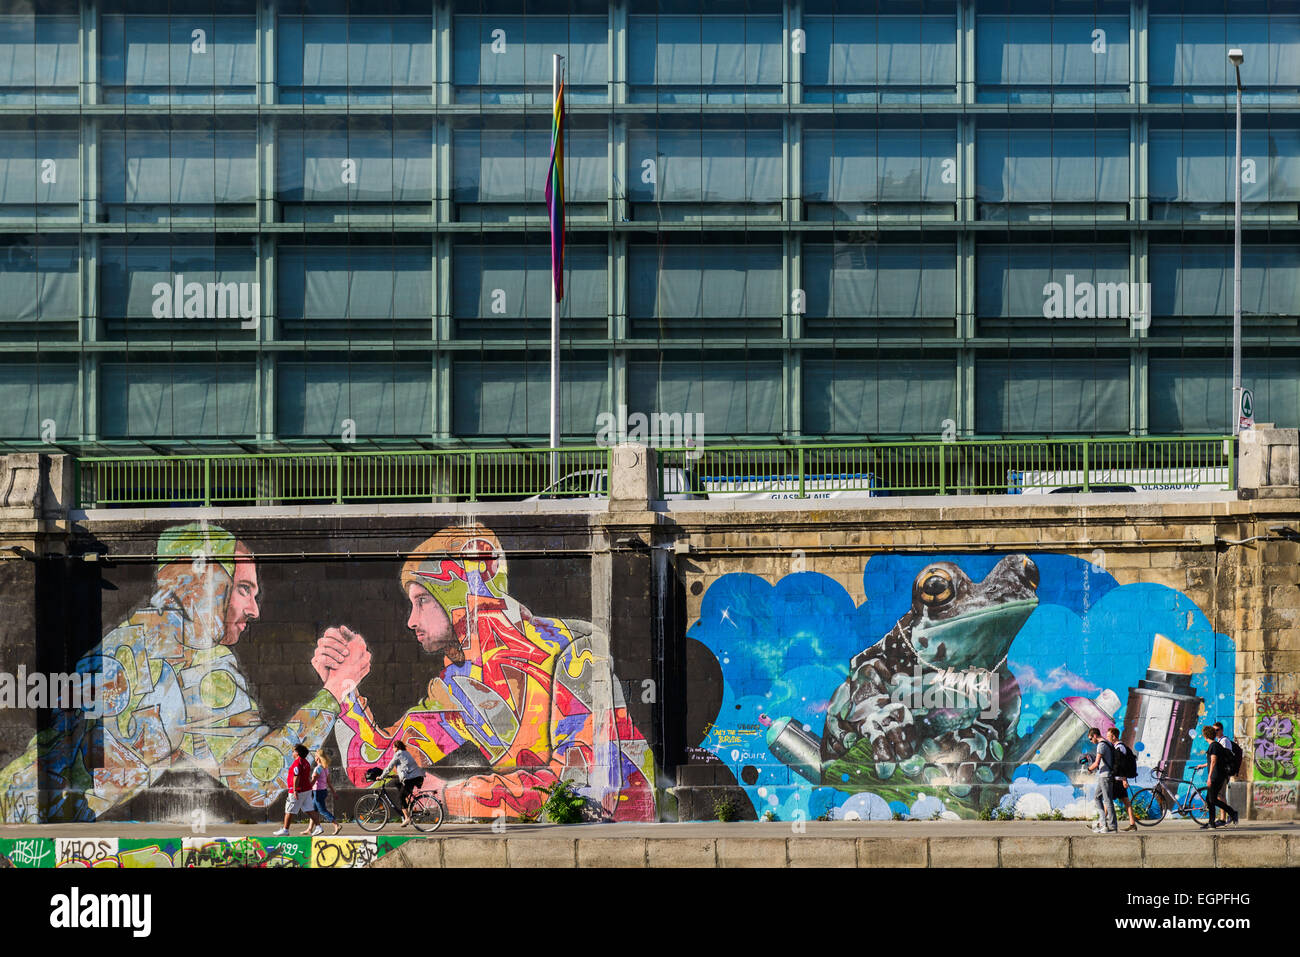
(1163, 709)
(794, 747)
(1064, 726)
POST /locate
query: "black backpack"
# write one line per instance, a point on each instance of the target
(1126, 762)
(1231, 758)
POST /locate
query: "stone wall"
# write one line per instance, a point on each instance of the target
(782, 602)
(921, 657)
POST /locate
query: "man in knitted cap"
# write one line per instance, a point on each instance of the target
(170, 696)
(517, 701)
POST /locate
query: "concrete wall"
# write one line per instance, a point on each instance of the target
(809, 684)
(220, 644)
(930, 658)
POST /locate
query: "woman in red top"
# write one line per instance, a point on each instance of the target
(300, 798)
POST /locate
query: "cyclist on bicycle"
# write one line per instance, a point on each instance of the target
(409, 773)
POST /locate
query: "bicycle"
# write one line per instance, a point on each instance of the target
(374, 811)
(1150, 805)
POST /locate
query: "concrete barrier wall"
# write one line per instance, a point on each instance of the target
(930, 658)
(945, 661)
(219, 645)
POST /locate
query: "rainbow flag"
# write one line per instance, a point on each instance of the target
(555, 195)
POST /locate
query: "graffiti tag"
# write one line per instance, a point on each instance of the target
(1275, 746)
(31, 853)
(343, 852)
(1275, 796)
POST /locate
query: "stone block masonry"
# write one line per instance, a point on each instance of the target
(939, 660)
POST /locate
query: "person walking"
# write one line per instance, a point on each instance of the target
(1103, 763)
(300, 801)
(320, 786)
(1122, 762)
(1215, 757)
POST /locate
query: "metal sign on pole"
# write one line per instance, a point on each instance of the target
(1246, 411)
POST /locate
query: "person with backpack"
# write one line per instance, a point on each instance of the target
(1103, 762)
(1232, 762)
(1125, 770)
(300, 801)
(1220, 761)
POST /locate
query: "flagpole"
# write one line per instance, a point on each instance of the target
(555, 323)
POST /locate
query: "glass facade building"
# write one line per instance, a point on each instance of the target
(231, 223)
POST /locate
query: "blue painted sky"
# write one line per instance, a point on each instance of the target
(785, 648)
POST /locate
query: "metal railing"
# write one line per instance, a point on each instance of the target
(994, 466)
(1030, 466)
(284, 478)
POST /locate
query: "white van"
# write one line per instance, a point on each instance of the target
(591, 483)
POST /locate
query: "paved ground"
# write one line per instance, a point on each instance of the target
(703, 830)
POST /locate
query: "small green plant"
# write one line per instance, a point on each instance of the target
(770, 815)
(724, 809)
(986, 813)
(1054, 815)
(563, 805)
(900, 816)
(824, 816)
(936, 815)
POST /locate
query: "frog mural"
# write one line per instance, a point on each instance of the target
(961, 683)
(935, 700)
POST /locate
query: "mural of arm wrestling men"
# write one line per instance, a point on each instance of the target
(170, 695)
(515, 692)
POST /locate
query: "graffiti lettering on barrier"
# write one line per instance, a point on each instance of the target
(1269, 796)
(244, 852)
(343, 852)
(31, 853)
(240, 853)
(82, 852)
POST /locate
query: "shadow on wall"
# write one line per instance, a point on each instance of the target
(963, 683)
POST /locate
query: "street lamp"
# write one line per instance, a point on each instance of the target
(1236, 56)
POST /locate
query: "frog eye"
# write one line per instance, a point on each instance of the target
(936, 587)
(1029, 571)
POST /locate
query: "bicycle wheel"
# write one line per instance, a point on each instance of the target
(426, 813)
(371, 813)
(1198, 806)
(1148, 808)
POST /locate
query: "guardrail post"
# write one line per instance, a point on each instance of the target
(338, 478)
(1086, 443)
(1231, 442)
(801, 488)
(943, 478)
(473, 477)
(207, 482)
